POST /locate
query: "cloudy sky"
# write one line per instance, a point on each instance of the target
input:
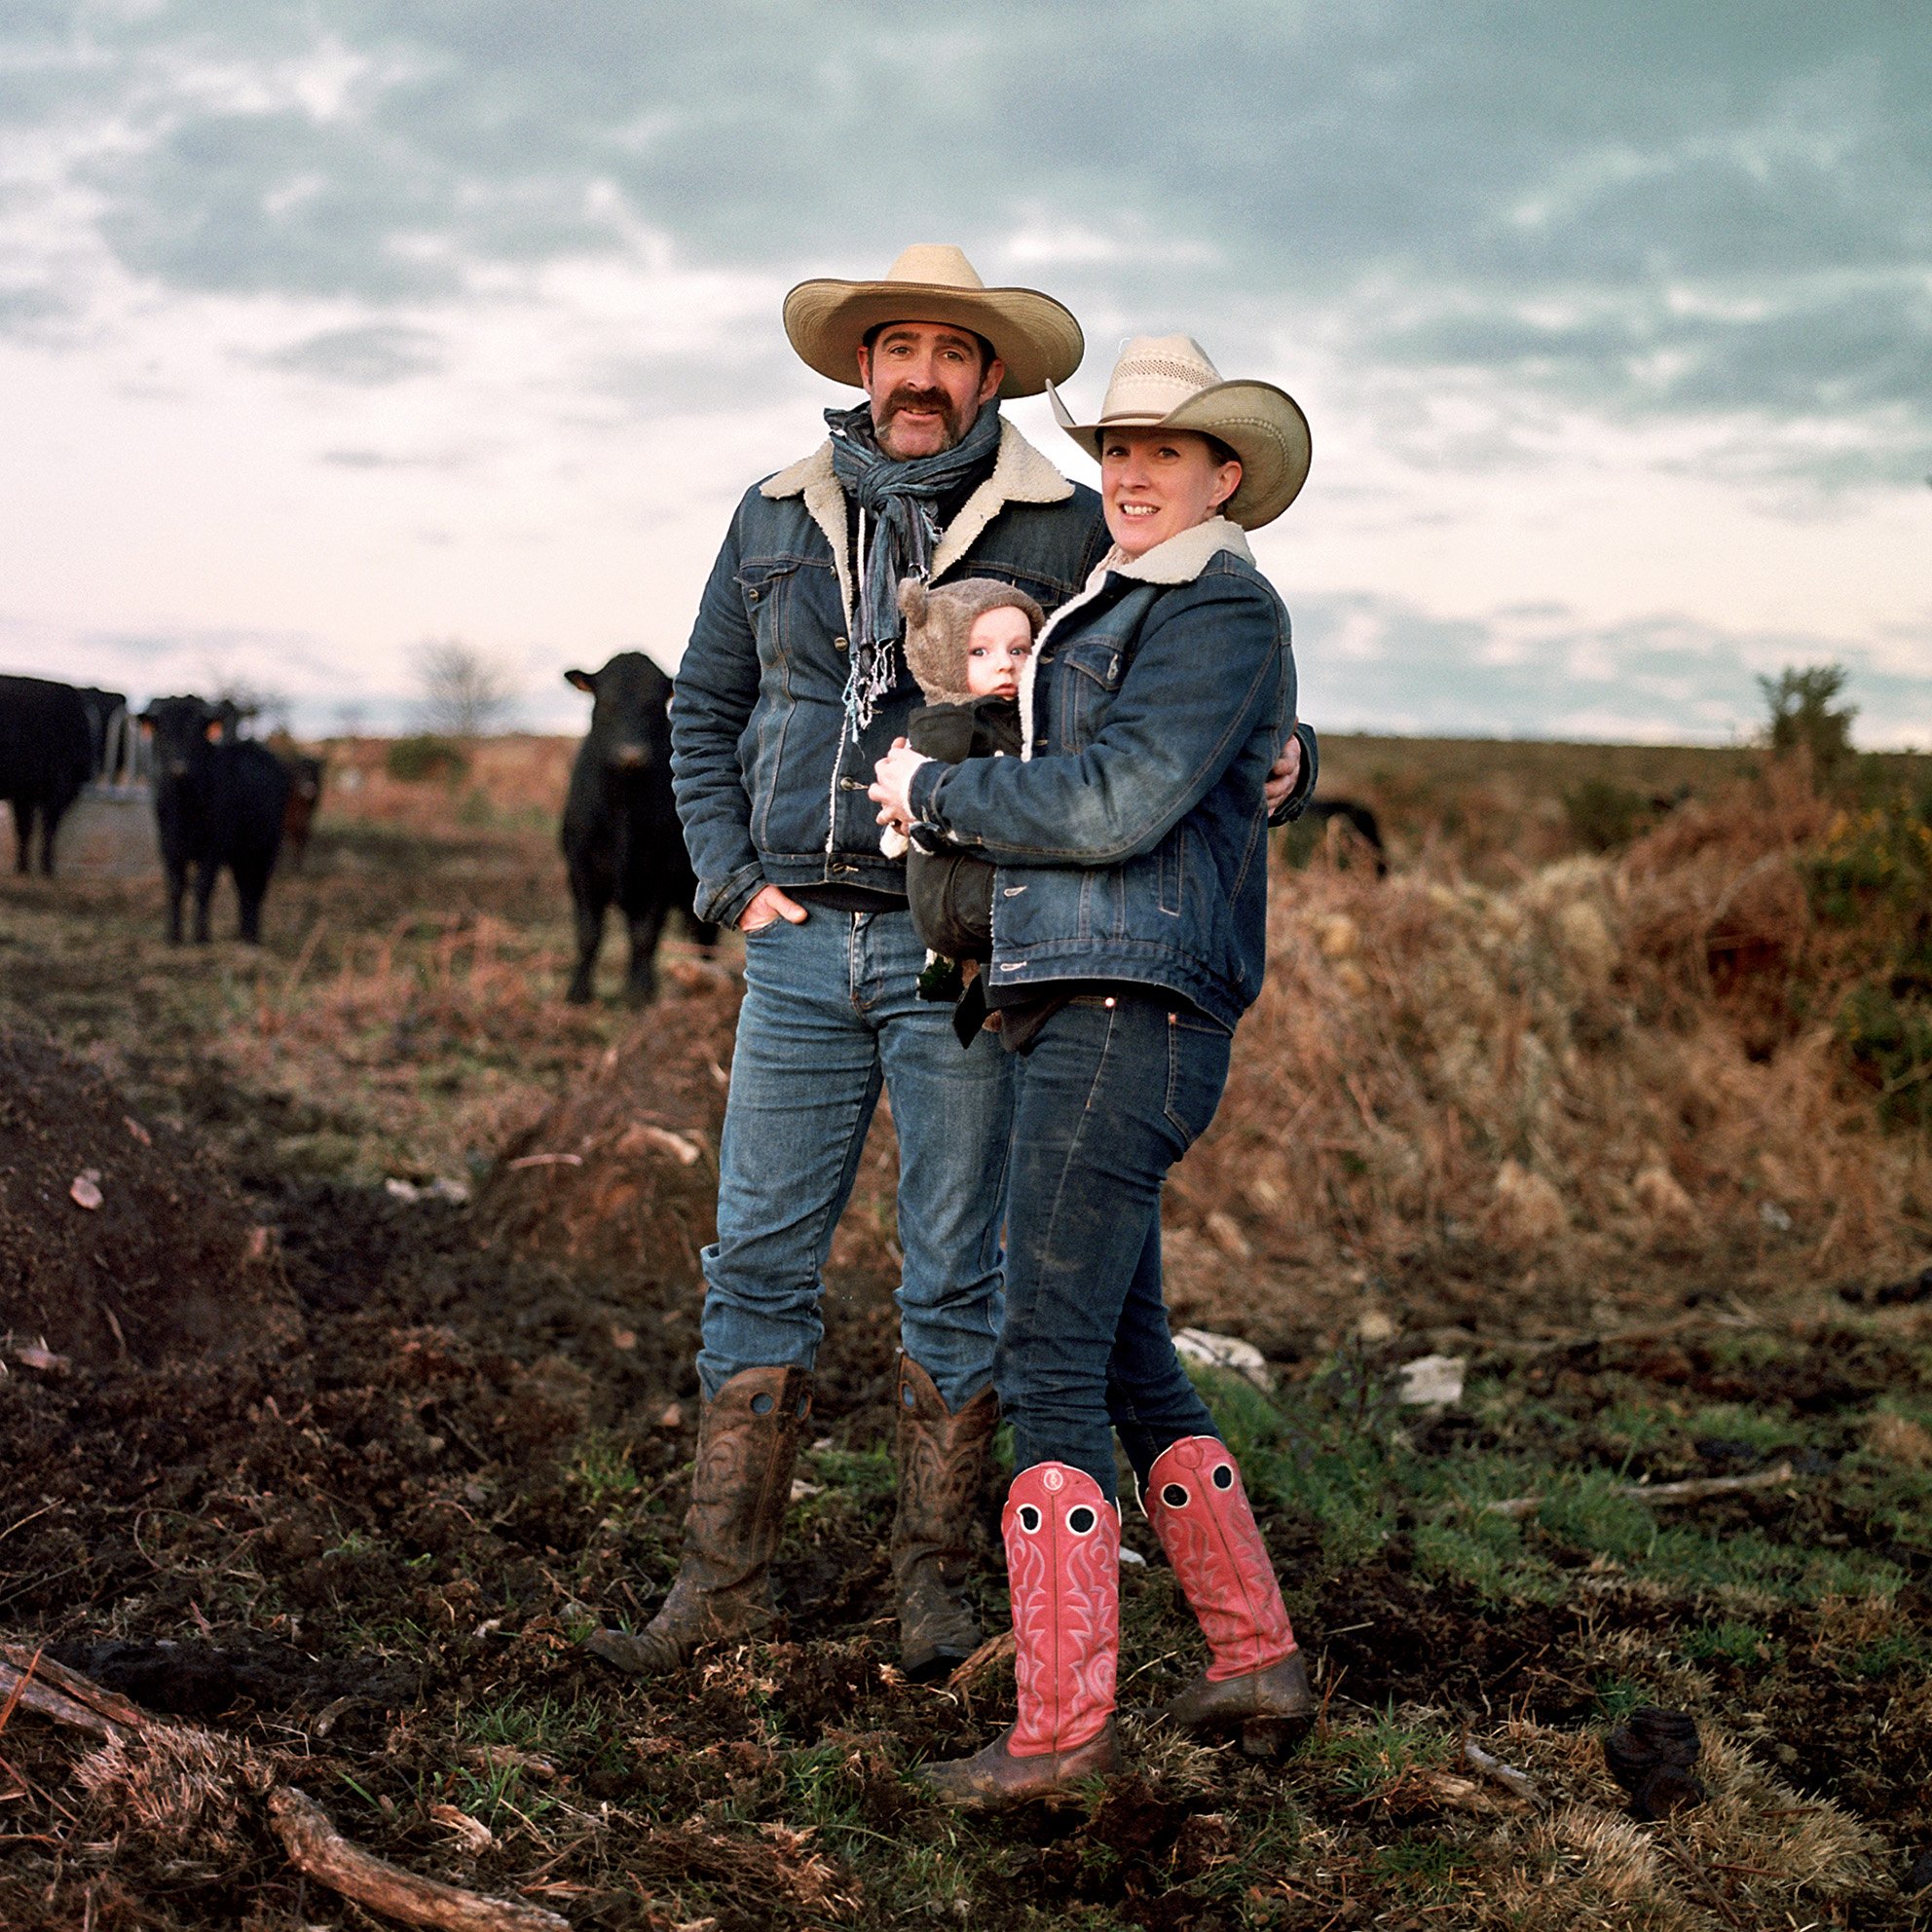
(327, 328)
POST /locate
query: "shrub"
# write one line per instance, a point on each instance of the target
(1604, 817)
(1873, 878)
(418, 760)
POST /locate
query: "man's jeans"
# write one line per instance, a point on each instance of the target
(1112, 1092)
(830, 1010)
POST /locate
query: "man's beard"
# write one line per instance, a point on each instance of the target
(952, 420)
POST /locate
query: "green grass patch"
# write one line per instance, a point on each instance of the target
(1420, 1862)
(1360, 1763)
(1761, 1430)
(1732, 1642)
(602, 1468)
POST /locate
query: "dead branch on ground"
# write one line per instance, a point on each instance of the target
(317, 1850)
(31, 1682)
(1693, 1489)
(1507, 1775)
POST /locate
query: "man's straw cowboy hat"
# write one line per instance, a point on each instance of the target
(1167, 382)
(1038, 340)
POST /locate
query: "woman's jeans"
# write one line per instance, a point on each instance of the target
(1113, 1092)
(830, 1013)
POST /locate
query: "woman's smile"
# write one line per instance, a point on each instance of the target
(1156, 483)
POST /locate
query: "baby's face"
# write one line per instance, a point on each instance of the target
(997, 646)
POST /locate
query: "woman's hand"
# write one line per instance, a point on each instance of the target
(892, 784)
(1285, 774)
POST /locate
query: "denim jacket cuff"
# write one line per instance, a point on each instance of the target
(923, 794)
(1296, 803)
(723, 903)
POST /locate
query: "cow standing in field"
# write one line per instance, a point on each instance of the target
(621, 838)
(218, 801)
(1359, 819)
(102, 709)
(306, 773)
(45, 755)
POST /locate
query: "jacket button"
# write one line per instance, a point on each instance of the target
(838, 644)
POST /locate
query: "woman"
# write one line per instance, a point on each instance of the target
(1129, 929)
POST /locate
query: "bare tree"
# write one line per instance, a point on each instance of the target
(464, 692)
(260, 710)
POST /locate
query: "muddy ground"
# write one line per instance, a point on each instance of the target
(374, 1551)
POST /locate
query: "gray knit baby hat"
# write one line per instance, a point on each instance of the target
(940, 620)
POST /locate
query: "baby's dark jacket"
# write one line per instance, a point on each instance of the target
(951, 892)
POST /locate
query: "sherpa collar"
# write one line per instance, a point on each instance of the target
(1181, 559)
(1021, 474)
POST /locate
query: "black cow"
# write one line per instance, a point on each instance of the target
(621, 838)
(45, 755)
(103, 708)
(306, 773)
(1359, 820)
(218, 801)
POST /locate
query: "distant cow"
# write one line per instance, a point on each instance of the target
(218, 801)
(621, 838)
(1359, 820)
(45, 755)
(103, 708)
(305, 794)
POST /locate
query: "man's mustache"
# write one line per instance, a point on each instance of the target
(917, 399)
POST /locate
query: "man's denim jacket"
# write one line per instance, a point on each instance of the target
(770, 779)
(1133, 842)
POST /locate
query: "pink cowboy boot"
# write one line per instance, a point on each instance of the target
(1255, 1682)
(1062, 1562)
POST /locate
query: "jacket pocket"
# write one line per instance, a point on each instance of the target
(1171, 873)
(1090, 676)
(761, 582)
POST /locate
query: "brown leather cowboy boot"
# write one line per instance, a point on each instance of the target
(941, 1471)
(746, 1442)
(1062, 1564)
(1257, 1683)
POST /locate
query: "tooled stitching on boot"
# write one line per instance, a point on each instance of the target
(1219, 1559)
(941, 1468)
(738, 1506)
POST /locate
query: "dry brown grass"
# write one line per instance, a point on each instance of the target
(517, 777)
(1756, 1853)
(1597, 1074)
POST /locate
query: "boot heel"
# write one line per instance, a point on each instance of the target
(1268, 1738)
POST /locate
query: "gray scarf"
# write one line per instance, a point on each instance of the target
(899, 498)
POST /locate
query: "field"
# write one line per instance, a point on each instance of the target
(1611, 1091)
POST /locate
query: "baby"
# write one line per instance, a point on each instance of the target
(966, 644)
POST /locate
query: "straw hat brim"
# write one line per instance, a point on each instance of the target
(1262, 425)
(1033, 335)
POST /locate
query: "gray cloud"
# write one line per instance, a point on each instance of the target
(1653, 207)
(368, 358)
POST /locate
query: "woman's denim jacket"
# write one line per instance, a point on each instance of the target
(770, 779)
(1133, 843)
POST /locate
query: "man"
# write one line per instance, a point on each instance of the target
(793, 685)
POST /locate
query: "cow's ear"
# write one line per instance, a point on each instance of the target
(212, 731)
(146, 723)
(585, 680)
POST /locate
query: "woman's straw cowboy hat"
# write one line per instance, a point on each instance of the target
(1038, 340)
(1167, 382)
